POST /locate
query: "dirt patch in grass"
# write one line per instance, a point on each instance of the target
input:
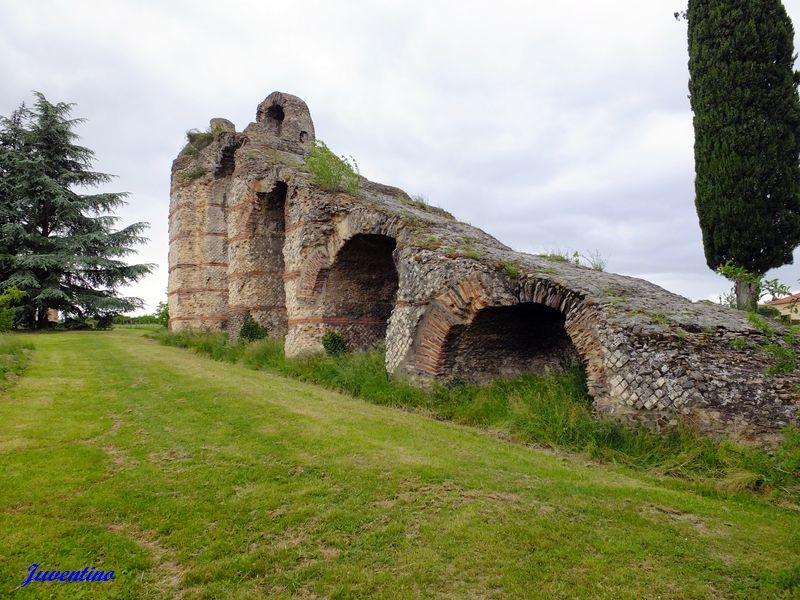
(168, 573)
(676, 516)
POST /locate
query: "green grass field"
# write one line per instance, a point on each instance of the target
(199, 479)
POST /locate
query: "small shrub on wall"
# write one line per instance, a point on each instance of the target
(250, 331)
(332, 172)
(334, 343)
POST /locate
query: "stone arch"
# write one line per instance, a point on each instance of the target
(312, 303)
(477, 329)
(274, 118)
(317, 267)
(503, 341)
(256, 237)
(360, 290)
(225, 163)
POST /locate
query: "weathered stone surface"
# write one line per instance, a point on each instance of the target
(250, 232)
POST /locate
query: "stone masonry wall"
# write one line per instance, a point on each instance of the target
(251, 232)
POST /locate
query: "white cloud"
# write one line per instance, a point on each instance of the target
(552, 125)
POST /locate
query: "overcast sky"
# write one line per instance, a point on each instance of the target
(552, 125)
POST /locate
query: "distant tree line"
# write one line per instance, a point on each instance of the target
(159, 317)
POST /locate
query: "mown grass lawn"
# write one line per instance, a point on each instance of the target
(198, 479)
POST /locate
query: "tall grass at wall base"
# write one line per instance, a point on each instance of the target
(552, 410)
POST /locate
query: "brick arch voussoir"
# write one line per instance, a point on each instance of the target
(361, 222)
(580, 323)
(457, 305)
(314, 275)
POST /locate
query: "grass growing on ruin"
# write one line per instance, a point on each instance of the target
(194, 479)
(331, 172)
(553, 410)
(197, 140)
(421, 202)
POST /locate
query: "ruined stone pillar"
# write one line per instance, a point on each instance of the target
(256, 232)
(197, 289)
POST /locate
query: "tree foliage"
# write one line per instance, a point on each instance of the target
(8, 299)
(746, 117)
(57, 243)
(162, 314)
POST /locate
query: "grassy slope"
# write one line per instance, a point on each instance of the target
(190, 476)
(552, 410)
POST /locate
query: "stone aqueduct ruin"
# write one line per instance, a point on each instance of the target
(251, 232)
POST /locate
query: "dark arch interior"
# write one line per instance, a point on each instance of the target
(273, 207)
(270, 233)
(509, 340)
(275, 118)
(226, 159)
(360, 290)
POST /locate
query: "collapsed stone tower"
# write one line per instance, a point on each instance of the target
(250, 232)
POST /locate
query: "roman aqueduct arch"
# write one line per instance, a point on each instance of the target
(251, 232)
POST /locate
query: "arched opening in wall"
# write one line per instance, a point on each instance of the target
(267, 262)
(275, 118)
(226, 158)
(505, 341)
(273, 207)
(361, 289)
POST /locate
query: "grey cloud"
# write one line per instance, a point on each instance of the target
(552, 125)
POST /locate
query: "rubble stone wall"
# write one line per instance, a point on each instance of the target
(251, 232)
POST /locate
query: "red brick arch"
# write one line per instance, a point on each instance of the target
(314, 275)
(460, 303)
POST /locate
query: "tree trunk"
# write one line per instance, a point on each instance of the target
(746, 295)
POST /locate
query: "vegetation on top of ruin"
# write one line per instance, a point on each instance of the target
(592, 260)
(414, 222)
(197, 140)
(511, 268)
(470, 250)
(428, 242)
(331, 172)
(421, 203)
(782, 346)
(555, 257)
(660, 318)
(193, 174)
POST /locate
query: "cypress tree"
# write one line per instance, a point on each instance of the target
(57, 244)
(746, 115)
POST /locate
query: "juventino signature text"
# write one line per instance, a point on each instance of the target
(88, 574)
